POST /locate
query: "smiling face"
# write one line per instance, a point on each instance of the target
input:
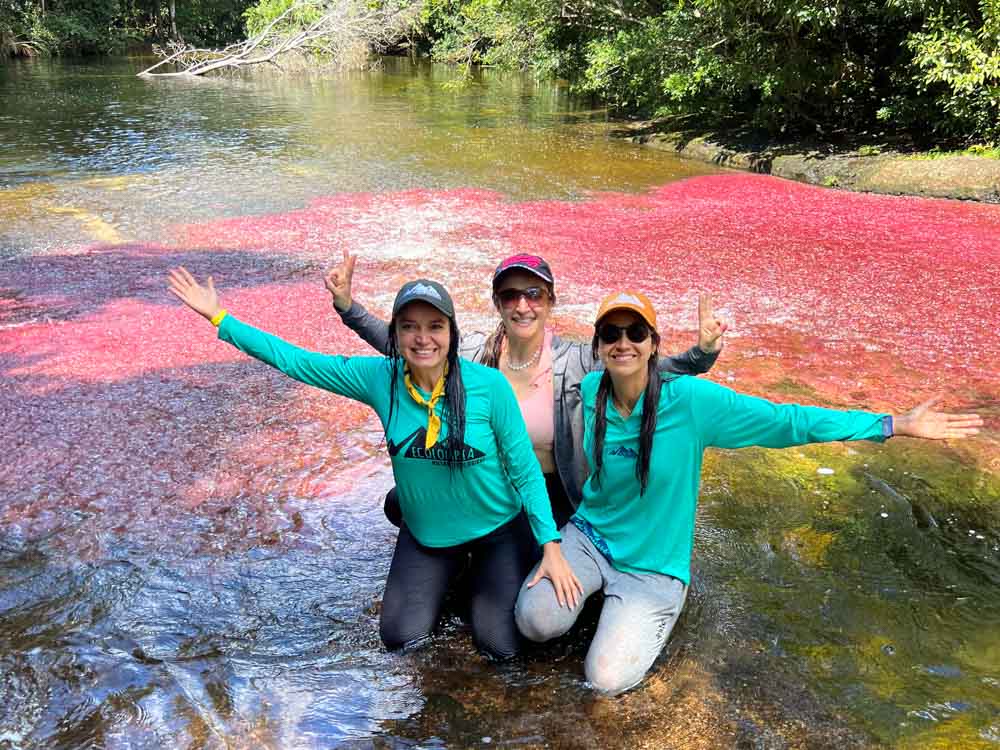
(423, 335)
(523, 318)
(625, 359)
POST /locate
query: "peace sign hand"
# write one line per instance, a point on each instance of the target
(338, 281)
(710, 327)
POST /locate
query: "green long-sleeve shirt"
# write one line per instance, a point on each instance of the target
(655, 532)
(442, 506)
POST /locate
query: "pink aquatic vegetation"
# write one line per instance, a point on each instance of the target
(828, 276)
(121, 405)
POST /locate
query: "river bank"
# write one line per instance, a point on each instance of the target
(861, 168)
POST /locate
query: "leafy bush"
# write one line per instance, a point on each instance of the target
(517, 34)
(958, 59)
(102, 26)
(259, 16)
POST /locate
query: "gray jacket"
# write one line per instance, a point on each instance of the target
(570, 363)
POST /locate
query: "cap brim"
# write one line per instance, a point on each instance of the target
(630, 308)
(436, 304)
(523, 267)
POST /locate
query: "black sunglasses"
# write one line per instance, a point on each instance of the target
(609, 333)
(533, 294)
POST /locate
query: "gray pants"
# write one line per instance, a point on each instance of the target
(639, 612)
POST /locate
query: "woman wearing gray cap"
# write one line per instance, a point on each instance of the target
(468, 483)
(544, 369)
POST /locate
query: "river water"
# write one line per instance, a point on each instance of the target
(192, 548)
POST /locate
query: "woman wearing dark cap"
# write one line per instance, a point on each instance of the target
(645, 433)
(468, 483)
(544, 369)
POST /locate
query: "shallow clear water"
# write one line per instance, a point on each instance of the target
(192, 548)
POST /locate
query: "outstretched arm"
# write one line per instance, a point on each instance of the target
(355, 377)
(699, 359)
(727, 419)
(338, 281)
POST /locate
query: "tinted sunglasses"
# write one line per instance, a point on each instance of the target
(533, 294)
(609, 333)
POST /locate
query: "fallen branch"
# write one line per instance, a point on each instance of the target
(342, 28)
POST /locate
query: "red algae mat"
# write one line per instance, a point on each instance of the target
(833, 279)
(113, 392)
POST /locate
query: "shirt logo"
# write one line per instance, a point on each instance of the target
(439, 453)
(624, 452)
(423, 289)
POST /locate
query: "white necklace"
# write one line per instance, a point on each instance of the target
(526, 364)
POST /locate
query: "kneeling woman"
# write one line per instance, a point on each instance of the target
(644, 436)
(468, 481)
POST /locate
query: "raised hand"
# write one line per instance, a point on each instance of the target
(922, 422)
(338, 281)
(202, 299)
(569, 590)
(710, 327)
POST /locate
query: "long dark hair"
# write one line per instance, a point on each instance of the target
(453, 412)
(494, 344)
(650, 403)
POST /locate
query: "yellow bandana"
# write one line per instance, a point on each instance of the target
(433, 420)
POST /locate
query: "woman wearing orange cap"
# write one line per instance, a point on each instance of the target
(645, 433)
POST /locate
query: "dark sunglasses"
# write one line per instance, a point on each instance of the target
(533, 294)
(609, 333)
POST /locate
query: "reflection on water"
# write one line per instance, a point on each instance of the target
(186, 150)
(192, 549)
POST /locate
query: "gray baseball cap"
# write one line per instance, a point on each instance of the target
(424, 290)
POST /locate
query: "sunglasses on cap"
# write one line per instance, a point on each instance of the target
(609, 333)
(533, 294)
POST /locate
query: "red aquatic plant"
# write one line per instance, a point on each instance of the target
(122, 405)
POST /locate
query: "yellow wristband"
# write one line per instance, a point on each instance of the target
(218, 317)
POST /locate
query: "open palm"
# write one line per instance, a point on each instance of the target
(923, 422)
(202, 299)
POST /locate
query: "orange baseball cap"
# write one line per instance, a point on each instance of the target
(637, 302)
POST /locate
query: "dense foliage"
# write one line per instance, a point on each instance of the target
(29, 27)
(928, 67)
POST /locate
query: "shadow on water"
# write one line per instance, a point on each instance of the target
(57, 287)
(147, 596)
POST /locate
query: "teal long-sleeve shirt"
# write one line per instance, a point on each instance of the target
(654, 533)
(442, 506)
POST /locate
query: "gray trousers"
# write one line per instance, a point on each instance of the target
(639, 612)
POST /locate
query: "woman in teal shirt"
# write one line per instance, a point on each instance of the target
(468, 481)
(644, 436)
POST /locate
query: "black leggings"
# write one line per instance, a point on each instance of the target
(419, 577)
(562, 508)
